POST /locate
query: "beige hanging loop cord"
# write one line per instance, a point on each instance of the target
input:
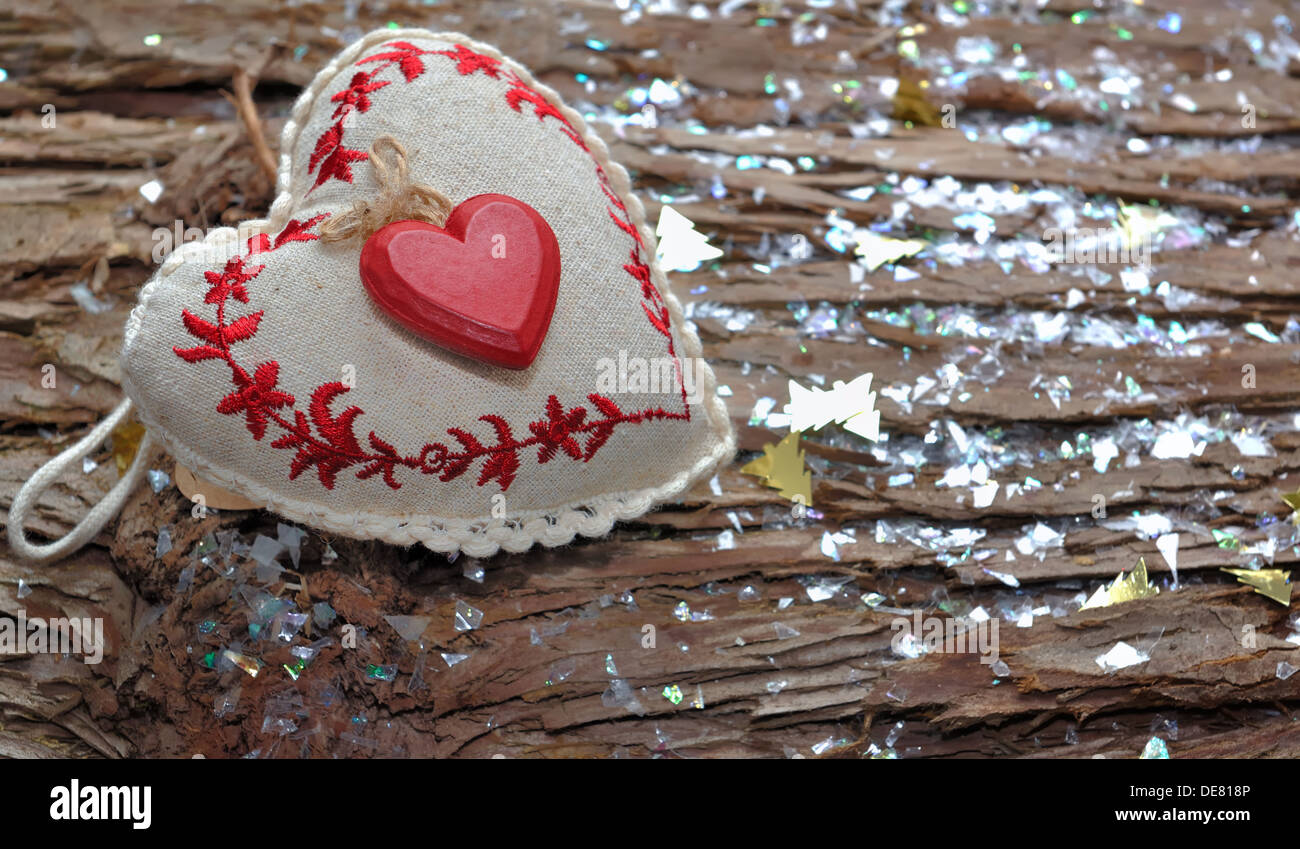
(399, 199)
(105, 509)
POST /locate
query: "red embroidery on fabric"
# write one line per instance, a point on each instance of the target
(467, 62)
(335, 160)
(356, 95)
(327, 441)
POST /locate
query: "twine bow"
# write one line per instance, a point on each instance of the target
(399, 199)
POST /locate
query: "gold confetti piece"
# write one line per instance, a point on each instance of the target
(126, 441)
(1270, 583)
(781, 467)
(1130, 587)
(1292, 500)
(850, 405)
(251, 665)
(876, 250)
(910, 104)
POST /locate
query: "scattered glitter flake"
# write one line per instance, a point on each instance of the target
(265, 550)
(824, 589)
(158, 480)
(975, 49)
(467, 618)
(873, 600)
(611, 668)
(758, 416)
(682, 611)
(86, 299)
(748, 593)
(1130, 587)
(784, 602)
(1273, 584)
(784, 631)
(831, 542)
(725, 540)
(290, 625)
(409, 628)
(1120, 657)
(164, 542)
(473, 570)
(322, 614)
(876, 250)
(1009, 580)
(1039, 539)
(295, 669)
(1285, 670)
(561, 670)
(1155, 749)
(452, 659)
(153, 39)
(151, 191)
(681, 248)
(1000, 668)
(1176, 445)
(1138, 146)
(1252, 445)
(291, 538)
(619, 694)
(908, 645)
(1167, 545)
(88, 465)
(1103, 451)
(381, 673)
(250, 665)
(1225, 539)
(673, 694)
(24, 588)
(828, 744)
(226, 702)
(1254, 328)
(982, 496)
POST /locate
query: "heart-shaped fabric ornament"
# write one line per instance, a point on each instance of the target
(410, 387)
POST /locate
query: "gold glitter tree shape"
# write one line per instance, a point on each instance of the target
(1125, 587)
(1270, 583)
(781, 467)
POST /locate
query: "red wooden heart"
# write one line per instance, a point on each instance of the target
(482, 285)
